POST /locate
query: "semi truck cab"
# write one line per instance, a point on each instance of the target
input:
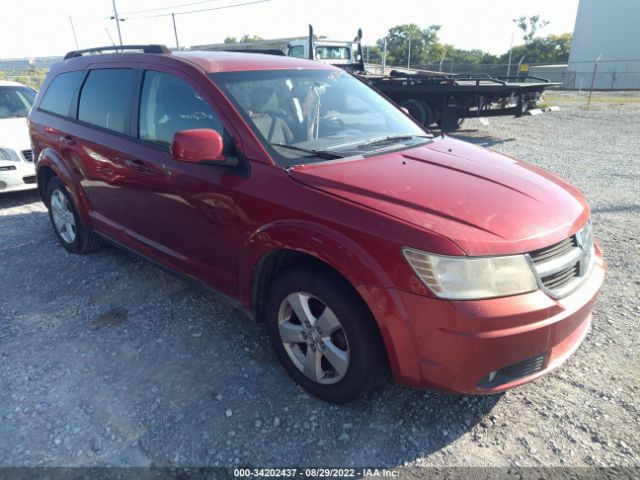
(334, 52)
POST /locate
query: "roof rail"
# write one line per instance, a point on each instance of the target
(144, 48)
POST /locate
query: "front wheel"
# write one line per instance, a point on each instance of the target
(324, 335)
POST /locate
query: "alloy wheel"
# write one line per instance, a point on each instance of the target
(63, 217)
(313, 337)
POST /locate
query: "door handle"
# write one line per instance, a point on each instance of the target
(135, 164)
(67, 140)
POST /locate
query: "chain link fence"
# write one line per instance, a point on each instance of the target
(604, 74)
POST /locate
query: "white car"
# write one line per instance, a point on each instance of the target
(17, 171)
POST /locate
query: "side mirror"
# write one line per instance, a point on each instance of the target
(201, 145)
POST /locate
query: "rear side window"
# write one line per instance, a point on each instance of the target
(106, 97)
(57, 99)
(168, 104)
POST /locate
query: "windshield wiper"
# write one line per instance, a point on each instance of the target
(326, 154)
(377, 142)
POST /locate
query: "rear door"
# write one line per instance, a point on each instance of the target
(104, 111)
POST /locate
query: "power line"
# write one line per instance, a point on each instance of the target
(198, 11)
(170, 6)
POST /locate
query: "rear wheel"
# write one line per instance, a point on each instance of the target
(68, 227)
(324, 335)
(419, 110)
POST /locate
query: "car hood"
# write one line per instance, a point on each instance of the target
(14, 133)
(484, 201)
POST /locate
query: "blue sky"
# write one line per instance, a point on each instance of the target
(41, 27)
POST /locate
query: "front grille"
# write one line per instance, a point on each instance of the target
(29, 179)
(27, 155)
(562, 266)
(561, 278)
(554, 250)
(513, 372)
(524, 368)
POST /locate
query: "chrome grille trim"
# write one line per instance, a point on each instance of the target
(562, 267)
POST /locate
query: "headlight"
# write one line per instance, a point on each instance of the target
(5, 154)
(465, 278)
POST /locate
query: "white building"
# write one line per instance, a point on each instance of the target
(609, 30)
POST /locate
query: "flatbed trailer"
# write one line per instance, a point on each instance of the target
(446, 100)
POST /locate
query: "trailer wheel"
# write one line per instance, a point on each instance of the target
(419, 110)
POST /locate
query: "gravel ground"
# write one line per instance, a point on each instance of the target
(107, 360)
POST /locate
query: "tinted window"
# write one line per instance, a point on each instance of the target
(168, 105)
(297, 51)
(15, 101)
(58, 96)
(333, 53)
(106, 97)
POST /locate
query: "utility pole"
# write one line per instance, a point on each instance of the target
(175, 30)
(110, 37)
(115, 14)
(519, 64)
(409, 54)
(593, 78)
(510, 51)
(75, 39)
(384, 55)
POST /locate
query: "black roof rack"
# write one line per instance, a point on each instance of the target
(144, 48)
(266, 51)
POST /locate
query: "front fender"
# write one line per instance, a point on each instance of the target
(49, 158)
(354, 263)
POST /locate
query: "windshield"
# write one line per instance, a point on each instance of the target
(309, 116)
(15, 101)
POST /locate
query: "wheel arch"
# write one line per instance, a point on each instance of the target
(275, 248)
(50, 165)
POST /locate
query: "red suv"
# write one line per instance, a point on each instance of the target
(307, 198)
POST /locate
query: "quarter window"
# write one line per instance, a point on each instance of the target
(57, 99)
(105, 98)
(168, 105)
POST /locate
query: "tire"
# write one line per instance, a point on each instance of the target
(419, 110)
(326, 298)
(66, 223)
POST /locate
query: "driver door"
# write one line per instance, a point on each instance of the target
(182, 214)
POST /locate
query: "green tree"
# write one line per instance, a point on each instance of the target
(530, 26)
(230, 40)
(32, 78)
(550, 49)
(422, 41)
(461, 56)
(374, 53)
(250, 38)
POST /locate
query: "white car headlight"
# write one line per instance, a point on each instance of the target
(466, 278)
(5, 154)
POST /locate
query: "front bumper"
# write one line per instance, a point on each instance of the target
(22, 178)
(459, 345)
